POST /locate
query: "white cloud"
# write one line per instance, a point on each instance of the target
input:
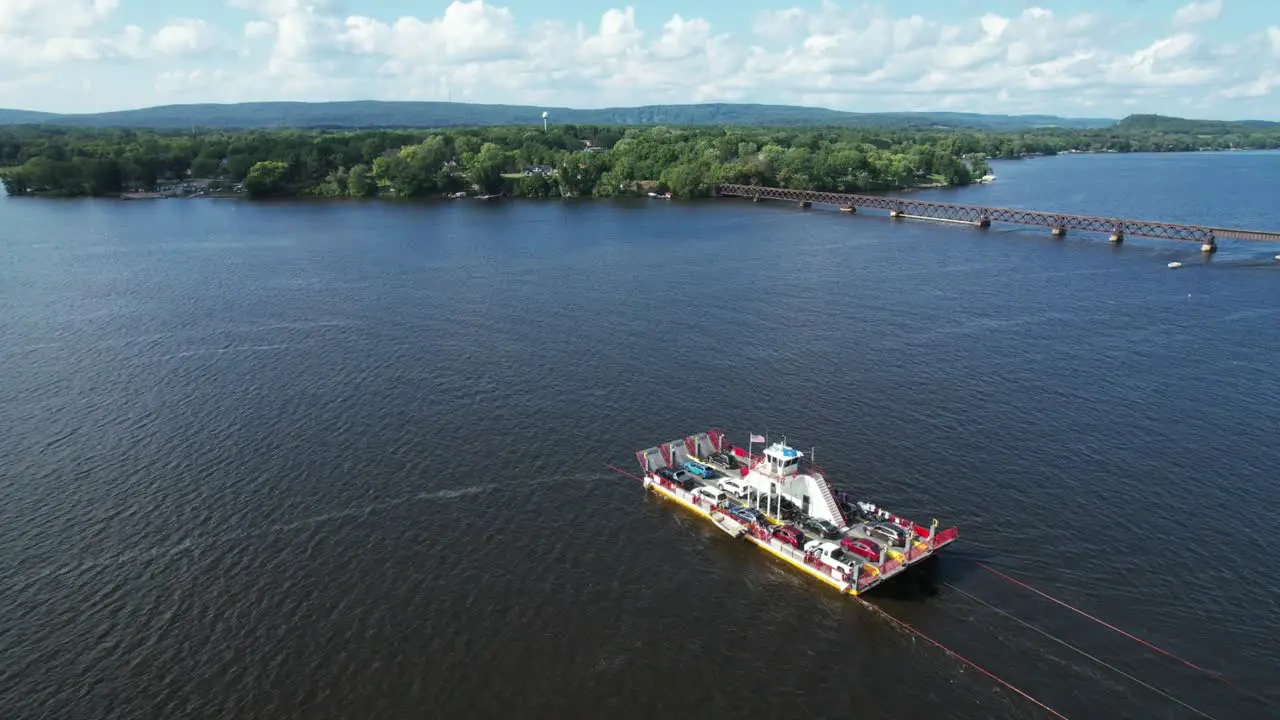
(38, 34)
(51, 17)
(866, 58)
(468, 31)
(1197, 13)
(258, 29)
(187, 36)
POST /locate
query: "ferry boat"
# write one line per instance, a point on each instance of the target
(783, 504)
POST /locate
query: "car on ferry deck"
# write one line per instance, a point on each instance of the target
(890, 534)
(724, 460)
(863, 547)
(789, 509)
(733, 487)
(710, 495)
(679, 476)
(831, 555)
(819, 527)
(790, 535)
(700, 470)
(746, 515)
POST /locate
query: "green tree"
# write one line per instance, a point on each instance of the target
(589, 161)
(205, 166)
(537, 186)
(360, 182)
(691, 178)
(267, 179)
(485, 168)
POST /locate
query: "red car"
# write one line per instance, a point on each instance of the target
(790, 535)
(862, 547)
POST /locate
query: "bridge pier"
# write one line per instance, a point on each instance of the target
(895, 214)
(984, 223)
(848, 209)
(1059, 231)
(805, 204)
(1117, 237)
(1209, 246)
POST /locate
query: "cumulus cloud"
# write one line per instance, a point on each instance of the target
(876, 57)
(188, 36)
(41, 34)
(1197, 13)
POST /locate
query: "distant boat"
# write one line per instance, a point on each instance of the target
(988, 178)
(1175, 264)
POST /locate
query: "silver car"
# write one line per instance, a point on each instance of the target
(891, 534)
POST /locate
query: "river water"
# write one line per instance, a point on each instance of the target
(346, 460)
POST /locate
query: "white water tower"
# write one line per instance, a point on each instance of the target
(544, 121)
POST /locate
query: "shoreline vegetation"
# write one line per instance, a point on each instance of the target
(559, 161)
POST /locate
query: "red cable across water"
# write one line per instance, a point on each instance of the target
(968, 662)
(1131, 636)
(935, 643)
(620, 471)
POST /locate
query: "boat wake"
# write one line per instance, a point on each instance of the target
(193, 544)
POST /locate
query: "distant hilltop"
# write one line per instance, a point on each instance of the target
(368, 114)
(1165, 124)
(371, 114)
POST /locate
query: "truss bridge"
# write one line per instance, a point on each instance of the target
(980, 216)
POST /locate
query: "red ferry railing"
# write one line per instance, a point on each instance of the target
(717, 438)
(946, 536)
(751, 459)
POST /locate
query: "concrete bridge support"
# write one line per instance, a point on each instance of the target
(1209, 246)
(848, 209)
(805, 204)
(1059, 231)
(1117, 237)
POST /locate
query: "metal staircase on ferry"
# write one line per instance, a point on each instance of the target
(825, 489)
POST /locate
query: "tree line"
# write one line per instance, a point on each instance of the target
(562, 161)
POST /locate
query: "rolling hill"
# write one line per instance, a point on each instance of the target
(375, 114)
(25, 117)
(1166, 124)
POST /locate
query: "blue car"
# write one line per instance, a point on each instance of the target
(699, 469)
(744, 515)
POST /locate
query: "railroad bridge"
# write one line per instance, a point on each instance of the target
(980, 216)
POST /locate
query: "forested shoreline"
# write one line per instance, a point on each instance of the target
(561, 161)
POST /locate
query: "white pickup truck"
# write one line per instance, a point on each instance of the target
(832, 556)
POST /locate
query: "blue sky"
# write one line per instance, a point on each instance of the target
(1202, 58)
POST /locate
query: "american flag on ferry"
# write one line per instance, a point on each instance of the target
(757, 438)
